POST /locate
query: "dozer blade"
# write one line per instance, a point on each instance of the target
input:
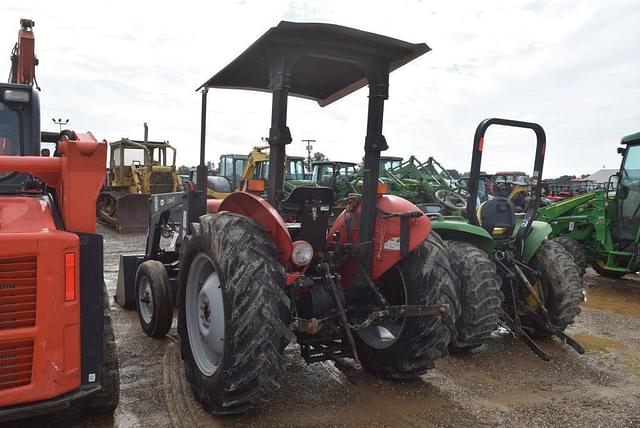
(131, 213)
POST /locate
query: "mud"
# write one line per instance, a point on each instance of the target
(500, 384)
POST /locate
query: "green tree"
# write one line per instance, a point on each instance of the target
(184, 170)
(319, 156)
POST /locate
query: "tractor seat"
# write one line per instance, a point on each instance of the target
(497, 216)
(312, 207)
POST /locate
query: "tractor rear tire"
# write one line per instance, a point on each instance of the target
(428, 281)
(480, 295)
(231, 265)
(561, 284)
(575, 249)
(156, 312)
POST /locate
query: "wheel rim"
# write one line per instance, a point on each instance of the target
(384, 334)
(145, 300)
(204, 312)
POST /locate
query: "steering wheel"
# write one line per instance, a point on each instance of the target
(450, 199)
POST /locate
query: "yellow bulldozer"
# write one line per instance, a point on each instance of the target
(137, 169)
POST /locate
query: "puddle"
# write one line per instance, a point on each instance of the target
(615, 349)
(621, 301)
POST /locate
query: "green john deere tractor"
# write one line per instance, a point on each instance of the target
(602, 228)
(508, 270)
(428, 183)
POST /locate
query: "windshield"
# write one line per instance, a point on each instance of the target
(9, 134)
(631, 167)
(387, 164)
(629, 195)
(131, 156)
(296, 170)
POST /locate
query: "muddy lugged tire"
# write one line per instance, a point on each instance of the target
(561, 282)
(429, 281)
(480, 295)
(255, 311)
(105, 401)
(575, 249)
(156, 313)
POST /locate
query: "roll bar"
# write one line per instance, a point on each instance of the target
(536, 177)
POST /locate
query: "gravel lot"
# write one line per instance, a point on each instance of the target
(501, 384)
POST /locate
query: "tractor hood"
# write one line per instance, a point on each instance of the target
(328, 61)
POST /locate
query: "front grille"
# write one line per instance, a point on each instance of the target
(18, 292)
(16, 359)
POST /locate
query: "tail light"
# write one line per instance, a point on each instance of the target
(255, 186)
(383, 188)
(69, 277)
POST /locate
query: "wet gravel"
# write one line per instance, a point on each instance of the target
(500, 384)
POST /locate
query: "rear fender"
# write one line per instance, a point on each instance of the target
(539, 232)
(213, 205)
(265, 215)
(454, 230)
(387, 240)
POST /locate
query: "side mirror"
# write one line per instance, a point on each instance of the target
(621, 151)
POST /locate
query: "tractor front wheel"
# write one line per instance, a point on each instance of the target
(600, 267)
(154, 300)
(233, 313)
(406, 348)
(561, 286)
(480, 295)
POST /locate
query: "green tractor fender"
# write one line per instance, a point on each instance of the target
(539, 232)
(461, 230)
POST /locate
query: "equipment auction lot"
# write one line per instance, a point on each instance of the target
(502, 383)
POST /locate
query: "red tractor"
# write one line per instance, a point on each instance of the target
(57, 350)
(373, 292)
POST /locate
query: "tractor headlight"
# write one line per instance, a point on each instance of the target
(302, 253)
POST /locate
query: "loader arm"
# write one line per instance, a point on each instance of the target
(564, 208)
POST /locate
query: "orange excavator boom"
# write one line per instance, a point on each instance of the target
(23, 57)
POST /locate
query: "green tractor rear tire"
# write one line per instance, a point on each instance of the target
(428, 280)
(233, 313)
(575, 249)
(561, 285)
(480, 295)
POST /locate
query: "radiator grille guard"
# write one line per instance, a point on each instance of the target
(18, 292)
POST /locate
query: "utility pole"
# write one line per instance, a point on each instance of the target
(309, 149)
(60, 122)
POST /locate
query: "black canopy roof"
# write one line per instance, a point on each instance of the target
(328, 60)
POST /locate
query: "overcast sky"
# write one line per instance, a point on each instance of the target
(572, 66)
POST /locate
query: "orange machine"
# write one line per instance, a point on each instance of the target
(56, 343)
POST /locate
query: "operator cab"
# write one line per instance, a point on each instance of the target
(627, 199)
(333, 174)
(19, 129)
